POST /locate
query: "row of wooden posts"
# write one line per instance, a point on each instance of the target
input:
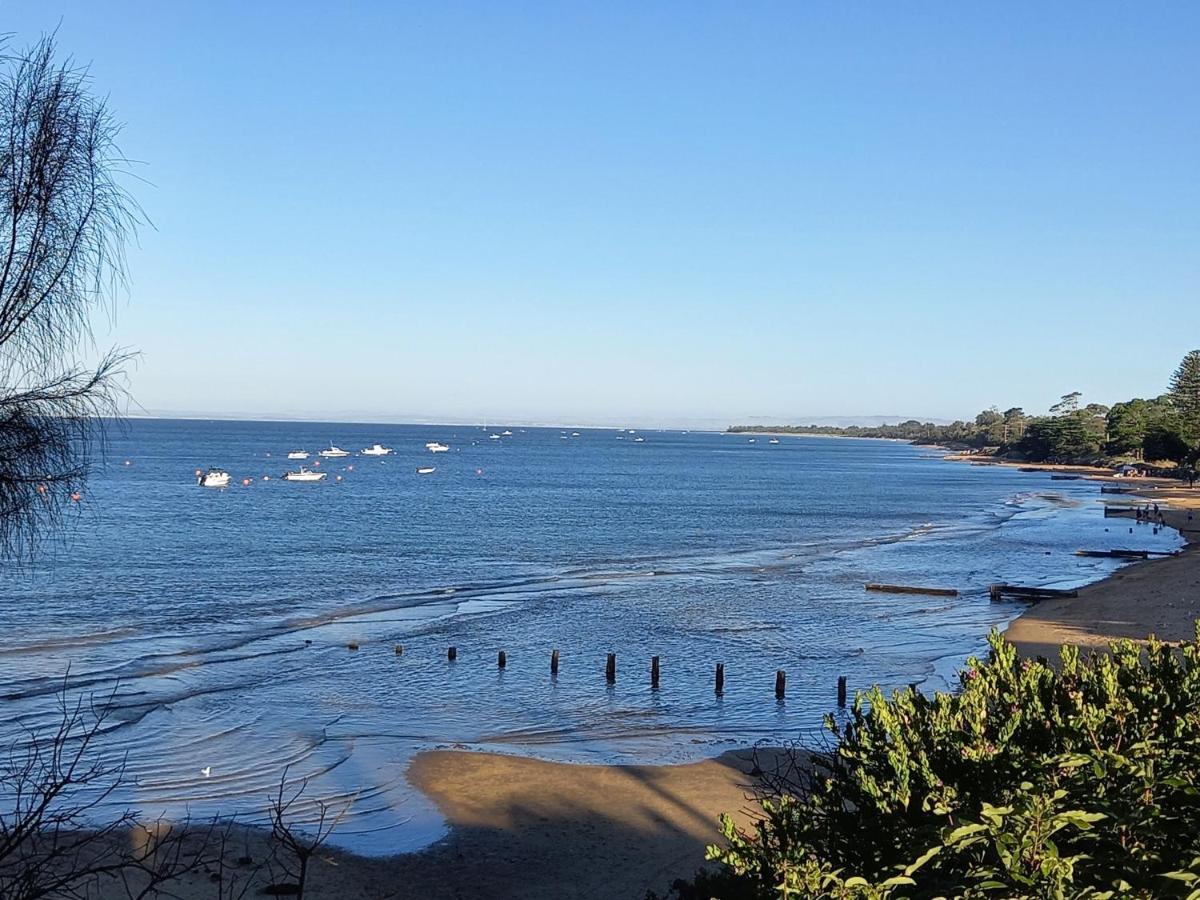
(610, 671)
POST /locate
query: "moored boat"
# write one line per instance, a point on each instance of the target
(334, 452)
(435, 447)
(426, 470)
(214, 477)
(378, 450)
(304, 475)
(298, 454)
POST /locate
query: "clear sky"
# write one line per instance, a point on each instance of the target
(665, 211)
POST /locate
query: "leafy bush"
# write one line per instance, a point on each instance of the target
(1028, 782)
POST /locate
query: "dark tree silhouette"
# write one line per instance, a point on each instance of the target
(64, 223)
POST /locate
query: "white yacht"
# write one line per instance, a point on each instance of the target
(213, 478)
(304, 475)
(378, 450)
(298, 454)
(334, 452)
(506, 434)
(435, 447)
(494, 437)
(426, 470)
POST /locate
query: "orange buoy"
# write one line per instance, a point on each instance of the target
(350, 468)
(339, 478)
(245, 482)
(76, 496)
(198, 473)
(42, 489)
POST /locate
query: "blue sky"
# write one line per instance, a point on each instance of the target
(650, 211)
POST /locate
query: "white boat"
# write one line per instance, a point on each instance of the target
(753, 440)
(304, 475)
(213, 478)
(773, 441)
(639, 440)
(378, 450)
(334, 452)
(426, 470)
(494, 437)
(298, 454)
(574, 434)
(435, 447)
(506, 434)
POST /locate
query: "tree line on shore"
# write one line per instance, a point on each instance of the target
(1162, 429)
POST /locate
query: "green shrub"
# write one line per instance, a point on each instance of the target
(1028, 782)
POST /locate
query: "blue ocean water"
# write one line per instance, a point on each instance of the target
(221, 619)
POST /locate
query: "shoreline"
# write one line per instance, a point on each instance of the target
(1155, 596)
(519, 827)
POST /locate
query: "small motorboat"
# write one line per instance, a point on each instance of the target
(334, 452)
(753, 440)
(494, 437)
(639, 440)
(506, 434)
(217, 478)
(378, 450)
(435, 447)
(426, 470)
(304, 475)
(574, 434)
(298, 454)
(773, 441)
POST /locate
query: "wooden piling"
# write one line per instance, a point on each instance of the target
(452, 654)
(654, 671)
(780, 684)
(553, 662)
(720, 678)
(841, 690)
(610, 668)
(501, 660)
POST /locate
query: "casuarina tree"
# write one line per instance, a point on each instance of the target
(64, 223)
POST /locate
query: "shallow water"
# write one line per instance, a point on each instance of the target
(221, 618)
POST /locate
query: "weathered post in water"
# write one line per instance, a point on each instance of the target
(780, 684)
(399, 649)
(553, 662)
(610, 668)
(720, 682)
(654, 671)
(501, 660)
(452, 654)
(841, 690)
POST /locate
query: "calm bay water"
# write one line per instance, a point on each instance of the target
(221, 618)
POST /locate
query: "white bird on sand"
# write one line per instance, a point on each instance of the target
(206, 771)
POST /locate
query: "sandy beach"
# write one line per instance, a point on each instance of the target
(1158, 596)
(524, 828)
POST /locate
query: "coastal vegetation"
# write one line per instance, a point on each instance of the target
(1163, 429)
(1030, 781)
